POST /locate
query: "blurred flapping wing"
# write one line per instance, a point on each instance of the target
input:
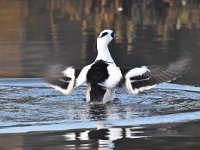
(144, 78)
(61, 79)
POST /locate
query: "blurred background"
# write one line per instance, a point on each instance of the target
(35, 34)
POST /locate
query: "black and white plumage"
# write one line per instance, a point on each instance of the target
(103, 76)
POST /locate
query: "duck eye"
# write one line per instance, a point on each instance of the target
(112, 34)
(103, 34)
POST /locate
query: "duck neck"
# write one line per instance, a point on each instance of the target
(103, 53)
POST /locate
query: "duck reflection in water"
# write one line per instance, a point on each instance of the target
(97, 111)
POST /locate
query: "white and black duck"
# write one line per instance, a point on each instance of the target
(103, 76)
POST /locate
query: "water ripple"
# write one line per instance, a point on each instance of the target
(29, 105)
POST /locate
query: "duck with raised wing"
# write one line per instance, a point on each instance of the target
(103, 76)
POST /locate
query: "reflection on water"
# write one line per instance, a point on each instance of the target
(34, 34)
(164, 136)
(97, 111)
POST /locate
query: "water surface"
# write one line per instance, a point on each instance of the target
(35, 34)
(37, 115)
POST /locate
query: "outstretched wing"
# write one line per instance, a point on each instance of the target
(144, 78)
(62, 79)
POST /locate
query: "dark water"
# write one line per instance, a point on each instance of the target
(168, 136)
(35, 34)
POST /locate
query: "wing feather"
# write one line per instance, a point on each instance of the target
(143, 78)
(61, 79)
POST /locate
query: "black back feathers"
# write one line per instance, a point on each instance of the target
(98, 72)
